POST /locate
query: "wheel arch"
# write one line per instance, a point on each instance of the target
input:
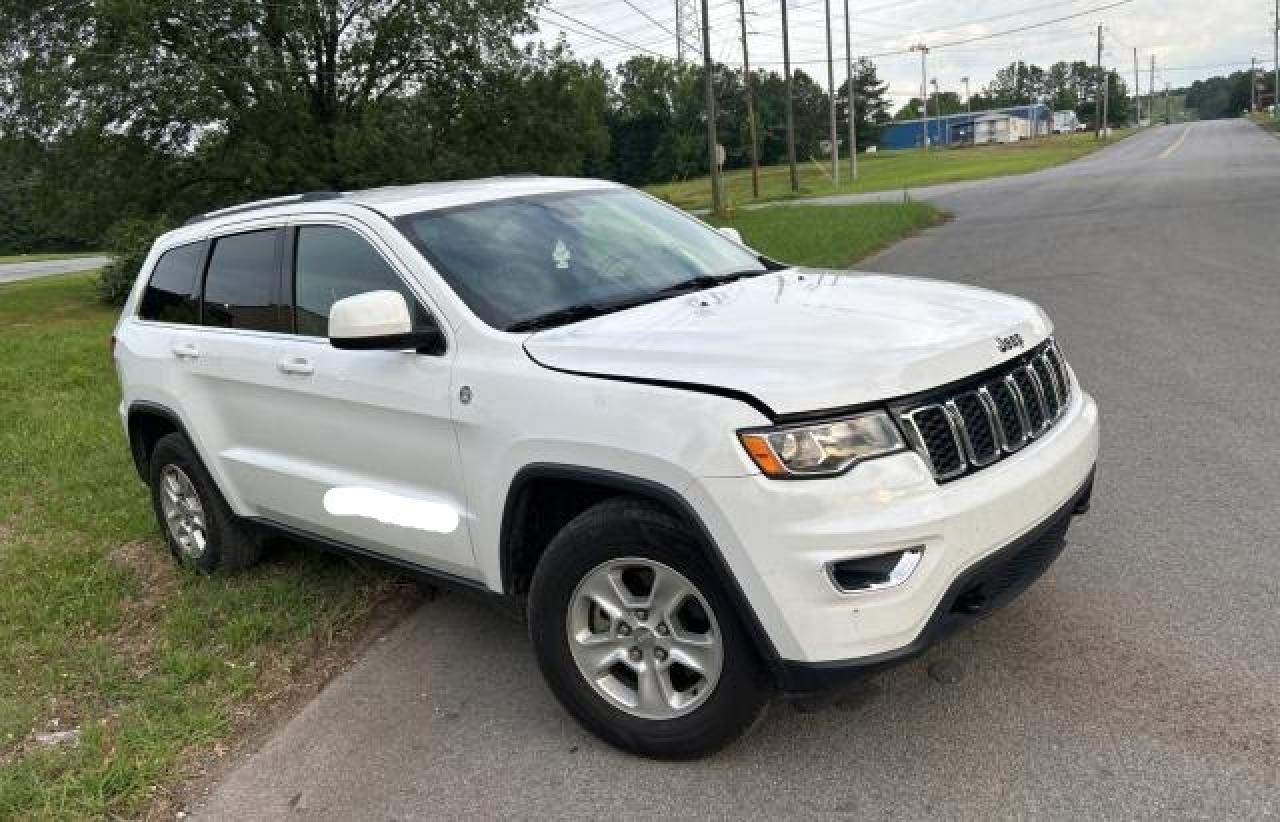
(521, 544)
(146, 423)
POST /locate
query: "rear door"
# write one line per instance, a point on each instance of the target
(231, 363)
(365, 437)
(154, 344)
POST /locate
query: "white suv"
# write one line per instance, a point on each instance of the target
(703, 475)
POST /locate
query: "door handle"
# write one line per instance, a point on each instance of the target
(296, 365)
(186, 351)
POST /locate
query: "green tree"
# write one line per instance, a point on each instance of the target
(1119, 106)
(655, 121)
(873, 103)
(1228, 96)
(222, 100)
(911, 110)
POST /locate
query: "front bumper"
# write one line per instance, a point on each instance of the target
(778, 538)
(984, 587)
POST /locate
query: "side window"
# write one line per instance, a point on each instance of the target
(242, 284)
(331, 263)
(173, 293)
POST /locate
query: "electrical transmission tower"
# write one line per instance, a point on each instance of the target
(688, 37)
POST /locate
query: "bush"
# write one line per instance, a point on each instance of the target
(128, 241)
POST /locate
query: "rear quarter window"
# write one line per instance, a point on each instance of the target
(172, 294)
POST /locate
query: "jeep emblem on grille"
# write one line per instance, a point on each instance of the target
(1009, 343)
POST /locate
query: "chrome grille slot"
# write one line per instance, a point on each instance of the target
(1013, 420)
(1048, 386)
(961, 429)
(936, 438)
(1028, 386)
(1060, 368)
(977, 428)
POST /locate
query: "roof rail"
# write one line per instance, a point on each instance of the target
(308, 197)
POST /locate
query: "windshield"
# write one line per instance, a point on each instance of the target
(570, 255)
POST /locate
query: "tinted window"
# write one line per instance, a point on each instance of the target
(172, 294)
(332, 263)
(242, 282)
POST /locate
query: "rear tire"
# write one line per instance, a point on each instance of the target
(624, 591)
(198, 525)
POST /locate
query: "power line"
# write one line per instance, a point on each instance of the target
(989, 36)
(648, 17)
(602, 32)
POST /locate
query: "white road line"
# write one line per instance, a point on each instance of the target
(1164, 155)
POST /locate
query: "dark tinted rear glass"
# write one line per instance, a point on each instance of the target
(242, 285)
(172, 295)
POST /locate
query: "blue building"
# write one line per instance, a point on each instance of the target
(967, 128)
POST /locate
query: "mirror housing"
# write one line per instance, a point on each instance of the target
(732, 234)
(378, 321)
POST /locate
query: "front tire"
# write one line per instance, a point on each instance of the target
(637, 638)
(199, 526)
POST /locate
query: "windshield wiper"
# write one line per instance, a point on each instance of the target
(585, 311)
(704, 281)
(568, 314)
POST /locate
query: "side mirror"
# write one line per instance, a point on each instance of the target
(732, 234)
(377, 321)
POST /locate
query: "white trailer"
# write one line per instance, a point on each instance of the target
(1065, 122)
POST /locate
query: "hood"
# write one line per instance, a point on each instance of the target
(802, 340)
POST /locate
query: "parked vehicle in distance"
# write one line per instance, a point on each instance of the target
(705, 476)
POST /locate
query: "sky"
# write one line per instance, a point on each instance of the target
(1191, 39)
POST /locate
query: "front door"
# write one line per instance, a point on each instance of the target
(366, 437)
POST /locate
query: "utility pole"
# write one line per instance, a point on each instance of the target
(924, 90)
(1097, 103)
(1137, 92)
(751, 104)
(1275, 57)
(791, 119)
(831, 86)
(853, 98)
(1253, 84)
(937, 111)
(1151, 92)
(968, 98)
(1106, 100)
(713, 145)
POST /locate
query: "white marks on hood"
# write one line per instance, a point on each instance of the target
(392, 509)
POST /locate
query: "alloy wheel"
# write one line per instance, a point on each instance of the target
(183, 513)
(645, 638)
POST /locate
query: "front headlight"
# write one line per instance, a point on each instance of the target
(822, 449)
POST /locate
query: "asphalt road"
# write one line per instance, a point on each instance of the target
(13, 272)
(1139, 678)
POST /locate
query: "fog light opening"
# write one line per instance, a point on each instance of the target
(875, 573)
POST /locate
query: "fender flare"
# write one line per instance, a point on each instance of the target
(135, 447)
(648, 489)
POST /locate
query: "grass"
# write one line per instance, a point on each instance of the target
(160, 671)
(5, 259)
(889, 170)
(99, 632)
(829, 236)
(1266, 121)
